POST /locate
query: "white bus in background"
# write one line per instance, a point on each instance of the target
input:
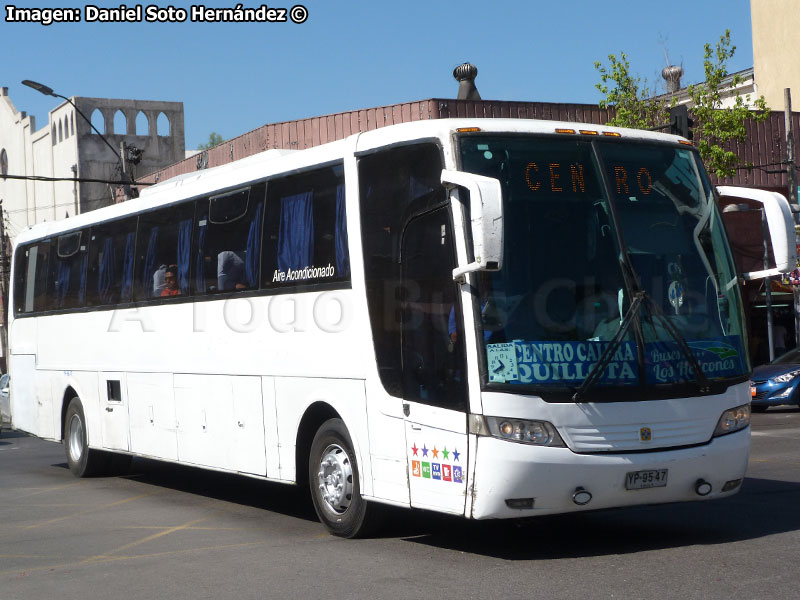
(487, 318)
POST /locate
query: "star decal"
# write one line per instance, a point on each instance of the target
(446, 453)
(424, 450)
(414, 449)
(456, 454)
(435, 452)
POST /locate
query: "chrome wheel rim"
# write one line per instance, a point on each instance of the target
(75, 438)
(335, 479)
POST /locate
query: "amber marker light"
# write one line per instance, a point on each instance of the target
(611, 134)
(468, 129)
(566, 131)
(685, 142)
(587, 132)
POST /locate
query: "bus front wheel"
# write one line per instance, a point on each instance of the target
(335, 486)
(82, 461)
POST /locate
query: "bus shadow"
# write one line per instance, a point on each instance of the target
(293, 501)
(764, 507)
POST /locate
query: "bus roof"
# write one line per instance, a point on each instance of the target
(275, 161)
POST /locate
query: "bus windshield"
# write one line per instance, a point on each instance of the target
(616, 270)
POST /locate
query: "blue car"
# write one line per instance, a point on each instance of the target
(776, 383)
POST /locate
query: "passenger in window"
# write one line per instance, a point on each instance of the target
(171, 281)
(159, 281)
(230, 271)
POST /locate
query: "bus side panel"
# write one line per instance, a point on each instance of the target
(151, 406)
(24, 406)
(346, 396)
(270, 427)
(84, 385)
(220, 422)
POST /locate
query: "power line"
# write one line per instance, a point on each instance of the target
(73, 179)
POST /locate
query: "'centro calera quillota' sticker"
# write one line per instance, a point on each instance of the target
(502, 360)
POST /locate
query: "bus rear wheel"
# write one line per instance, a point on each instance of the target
(335, 486)
(82, 460)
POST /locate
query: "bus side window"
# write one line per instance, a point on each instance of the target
(305, 232)
(111, 254)
(227, 245)
(67, 277)
(395, 186)
(163, 239)
(31, 279)
(431, 359)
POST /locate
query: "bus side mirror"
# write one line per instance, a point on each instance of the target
(486, 220)
(780, 225)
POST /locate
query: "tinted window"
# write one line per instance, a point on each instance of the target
(228, 240)
(31, 277)
(67, 277)
(395, 186)
(305, 238)
(111, 256)
(163, 248)
(431, 338)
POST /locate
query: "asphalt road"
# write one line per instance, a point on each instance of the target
(172, 532)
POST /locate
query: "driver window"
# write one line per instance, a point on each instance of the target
(432, 354)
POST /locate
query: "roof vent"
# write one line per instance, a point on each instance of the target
(465, 75)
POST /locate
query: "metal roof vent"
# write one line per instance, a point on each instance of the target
(672, 75)
(465, 75)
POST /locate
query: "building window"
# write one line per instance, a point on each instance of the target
(3, 163)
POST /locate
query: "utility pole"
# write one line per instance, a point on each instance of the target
(791, 172)
(5, 263)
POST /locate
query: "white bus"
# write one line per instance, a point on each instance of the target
(490, 318)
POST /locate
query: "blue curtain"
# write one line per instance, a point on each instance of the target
(184, 254)
(342, 255)
(105, 279)
(200, 264)
(82, 290)
(296, 233)
(252, 249)
(127, 268)
(149, 264)
(62, 281)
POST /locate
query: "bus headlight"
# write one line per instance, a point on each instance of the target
(539, 433)
(733, 419)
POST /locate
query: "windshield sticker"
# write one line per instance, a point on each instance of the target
(675, 295)
(569, 363)
(717, 357)
(502, 362)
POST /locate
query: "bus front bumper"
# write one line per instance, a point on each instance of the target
(517, 480)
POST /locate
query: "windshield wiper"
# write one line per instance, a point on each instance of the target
(683, 346)
(615, 342)
(639, 299)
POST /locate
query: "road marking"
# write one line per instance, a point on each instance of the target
(46, 489)
(87, 562)
(91, 510)
(144, 540)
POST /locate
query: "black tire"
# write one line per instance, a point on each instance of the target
(758, 408)
(82, 460)
(335, 485)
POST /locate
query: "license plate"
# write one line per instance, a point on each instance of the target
(640, 480)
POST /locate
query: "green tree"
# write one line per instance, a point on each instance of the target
(714, 125)
(628, 96)
(214, 139)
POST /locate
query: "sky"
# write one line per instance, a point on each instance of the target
(235, 77)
